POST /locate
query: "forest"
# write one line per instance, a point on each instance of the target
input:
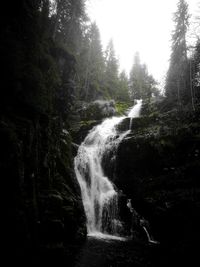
(58, 86)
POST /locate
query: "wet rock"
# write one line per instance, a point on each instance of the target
(96, 110)
(80, 130)
(157, 165)
(123, 125)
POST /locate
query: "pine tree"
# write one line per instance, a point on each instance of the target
(123, 91)
(111, 72)
(195, 74)
(141, 84)
(68, 20)
(91, 65)
(136, 78)
(177, 76)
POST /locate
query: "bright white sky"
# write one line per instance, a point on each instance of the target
(138, 25)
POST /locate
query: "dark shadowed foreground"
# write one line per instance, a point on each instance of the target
(101, 252)
(114, 253)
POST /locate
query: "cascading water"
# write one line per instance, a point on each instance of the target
(150, 239)
(98, 193)
(134, 112)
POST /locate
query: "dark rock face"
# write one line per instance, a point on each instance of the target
(89, 115)
(81, 129)
(158, 166)
(99, 109)
(43, 200)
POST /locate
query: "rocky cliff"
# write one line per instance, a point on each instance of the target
(43, 203)
(157, 165)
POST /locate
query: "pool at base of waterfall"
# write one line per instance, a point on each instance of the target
(101, 250)
(99, 235)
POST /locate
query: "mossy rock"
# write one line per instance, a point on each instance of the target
(97, 110)
(122, 107)
(123, 125)
(81, 130)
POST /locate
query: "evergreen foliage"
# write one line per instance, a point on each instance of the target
(141, 84)
(36, 98)
(91, 65)
(177, 82)
(182, 82)
(195, 74)
(123, 92)
(53, 62)
(111, 71)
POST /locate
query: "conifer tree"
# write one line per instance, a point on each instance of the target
(111, 72)
(68, 20)
(195, 74)
(91, 65)
(136, 78)
(177, 77)
(141, 84)
(123, 91)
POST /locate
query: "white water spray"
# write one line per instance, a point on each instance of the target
(98, 193)
(134, 112)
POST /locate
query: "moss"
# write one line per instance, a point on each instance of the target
(122, 107)
(79, 130)
(87, 123)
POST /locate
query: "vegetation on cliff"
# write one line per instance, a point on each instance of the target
(57, 83)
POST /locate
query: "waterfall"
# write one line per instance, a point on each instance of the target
(100, 199)
(150, 240)
(134, 112)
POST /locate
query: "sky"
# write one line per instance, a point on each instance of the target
(143, 26)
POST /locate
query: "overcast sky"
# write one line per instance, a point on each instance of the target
(138, 25)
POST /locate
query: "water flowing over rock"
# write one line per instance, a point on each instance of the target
(99, 195)
(134, 113)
